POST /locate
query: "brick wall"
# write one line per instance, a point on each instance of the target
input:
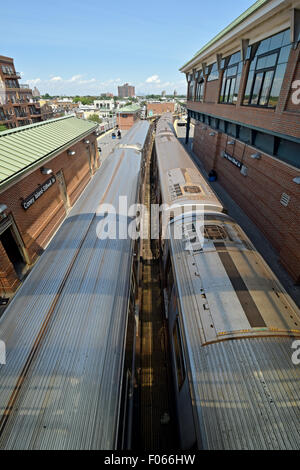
(127, 122)
(160, 108)
(37, 225)
(259, 193)
(283, 120)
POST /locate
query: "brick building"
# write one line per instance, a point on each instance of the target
(17, 106)
(127, 116)
(244, 102)
(159, 108)
(44, 168)
(126, 91)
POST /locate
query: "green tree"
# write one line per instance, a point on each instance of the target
(84, 99)
(95, 118)
(47, 97)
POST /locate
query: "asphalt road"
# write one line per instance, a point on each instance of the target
(261, 243)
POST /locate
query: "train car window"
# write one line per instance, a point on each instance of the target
(132, 290)
(179, 360)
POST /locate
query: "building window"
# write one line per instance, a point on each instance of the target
(283, 149)
(222, 125)
(288, 152)
(191, 87)
(199, 86)
(179, 360)
(214, 123)
(233, 67)
(232, 129)
(212, 72)
(245, 135)
(267, 68)
(264, 142)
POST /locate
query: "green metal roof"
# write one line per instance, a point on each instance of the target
(231, 26)
(26, 147)
(133, 108)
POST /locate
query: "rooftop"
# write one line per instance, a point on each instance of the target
(133, 108)
(25, 148)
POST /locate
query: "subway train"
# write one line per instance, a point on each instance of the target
(231, 323)
(70, 329)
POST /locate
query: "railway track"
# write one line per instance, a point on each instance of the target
(156, 413)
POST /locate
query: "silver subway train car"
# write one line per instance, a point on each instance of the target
(231, 323)
(70, 329)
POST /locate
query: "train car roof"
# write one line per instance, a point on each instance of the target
(233, 289)
(180, 180)
(239, 326)
(137, 134)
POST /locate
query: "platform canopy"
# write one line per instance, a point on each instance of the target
(25, 148)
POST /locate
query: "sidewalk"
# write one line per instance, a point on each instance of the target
(107, 143)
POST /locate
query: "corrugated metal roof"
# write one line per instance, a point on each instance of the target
(228, 28)
(133, 108)
(22, 147)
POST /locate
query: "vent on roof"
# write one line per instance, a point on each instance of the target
(215, 232)
(285, 199)
(191, 237)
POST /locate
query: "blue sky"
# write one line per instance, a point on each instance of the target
(91, 47)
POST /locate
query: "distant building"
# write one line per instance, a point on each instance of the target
(163, 93)
(63, 104)
(17, 106)
(126, 91)
(36, 92)
(104, 107)
(175, 93)
(127, 116)
(120, 104)
(47, 112)
(108, 95)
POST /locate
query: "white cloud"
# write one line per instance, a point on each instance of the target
(75, 78)
(83, 82)
(78, 84)
(153, 79)
(34, 81)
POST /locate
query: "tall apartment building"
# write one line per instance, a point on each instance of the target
(17, 106)
(126, 91)
(244, 100)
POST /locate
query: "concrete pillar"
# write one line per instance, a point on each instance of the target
(188, 126)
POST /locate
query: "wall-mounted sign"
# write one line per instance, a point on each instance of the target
(30, 200)
(232, 159)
